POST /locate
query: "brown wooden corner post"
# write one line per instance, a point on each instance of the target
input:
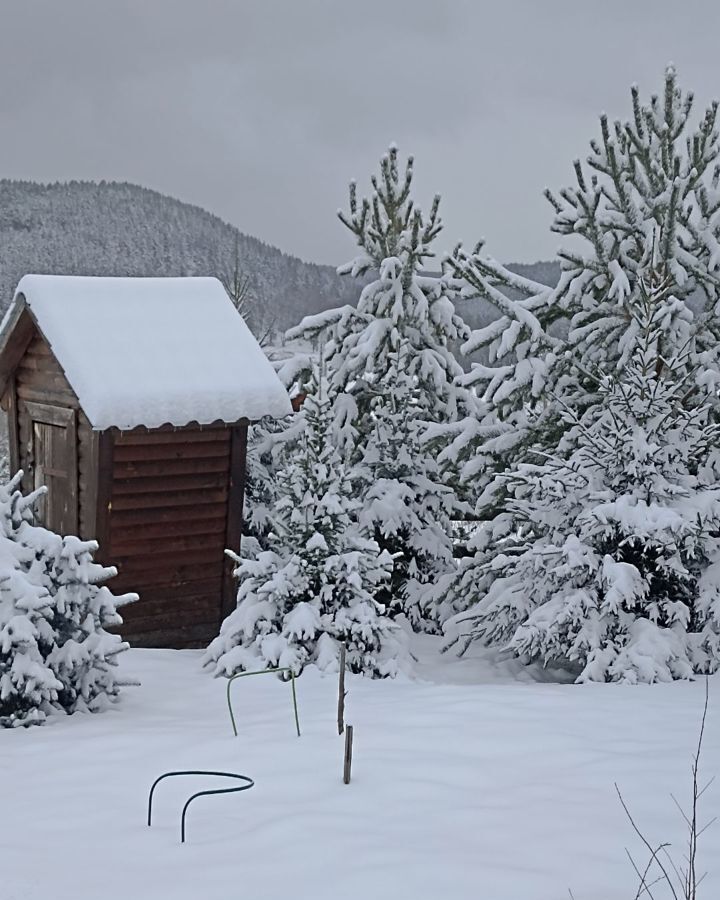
(13, 432)
(103, 494)
(234, 526)
(88, 480)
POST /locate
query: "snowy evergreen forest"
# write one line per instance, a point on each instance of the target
(561, 499)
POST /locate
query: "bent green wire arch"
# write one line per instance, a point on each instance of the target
(263, 672)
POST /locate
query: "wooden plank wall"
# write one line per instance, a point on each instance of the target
(167, 533)
(39, 377)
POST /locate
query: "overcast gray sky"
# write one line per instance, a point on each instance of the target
(262, 111)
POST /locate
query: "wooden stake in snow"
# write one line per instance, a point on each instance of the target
(341, 691)
(348, 754)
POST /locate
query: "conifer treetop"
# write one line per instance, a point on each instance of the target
(654, 174)
(388, 223)
(647, 197)
(403, 304)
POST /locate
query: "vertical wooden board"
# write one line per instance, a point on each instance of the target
(54, 466)
(236, 497)
(71, 509)
(12, 423)
(103, 495)
(88, 455)
(41, 455)
(25, 451)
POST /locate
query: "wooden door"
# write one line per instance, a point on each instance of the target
(52, 463)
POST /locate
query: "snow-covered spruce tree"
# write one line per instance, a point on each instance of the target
(391, 370)
(54, 650)
(609, 559)
(84, 654)
(317, 584)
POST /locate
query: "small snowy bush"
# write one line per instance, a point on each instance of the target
(316, 587)
(54, 608)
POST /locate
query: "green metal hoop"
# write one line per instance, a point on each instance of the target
(263, 672)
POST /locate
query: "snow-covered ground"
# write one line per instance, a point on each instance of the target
(472, 781)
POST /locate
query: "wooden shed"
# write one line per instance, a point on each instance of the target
(130, 399)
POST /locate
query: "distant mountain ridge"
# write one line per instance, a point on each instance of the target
(117, 228)
(114, 228)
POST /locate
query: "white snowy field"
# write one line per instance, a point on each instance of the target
(470, 781)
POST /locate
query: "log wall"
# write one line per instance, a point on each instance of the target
(167, 527)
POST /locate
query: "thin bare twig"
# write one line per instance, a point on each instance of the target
(643, 886)
(687, 877)
(653, 853)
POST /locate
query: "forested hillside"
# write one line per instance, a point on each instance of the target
(109, 228)
(83, 228)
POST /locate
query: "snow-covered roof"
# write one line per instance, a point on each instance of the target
(152, 351)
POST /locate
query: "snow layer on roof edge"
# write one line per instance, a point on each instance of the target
(154, 351)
